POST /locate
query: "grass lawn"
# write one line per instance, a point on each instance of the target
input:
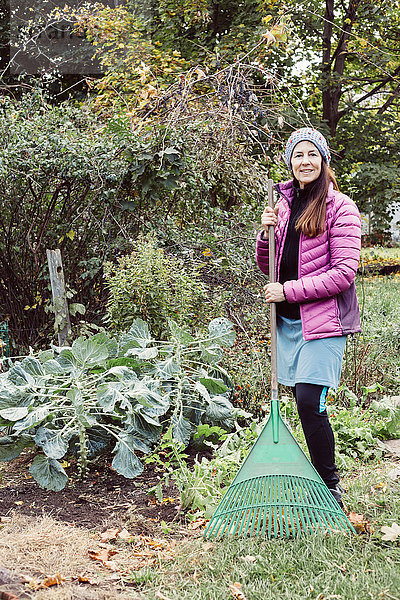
(319, 567)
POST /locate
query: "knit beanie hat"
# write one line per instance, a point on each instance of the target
(307, 134)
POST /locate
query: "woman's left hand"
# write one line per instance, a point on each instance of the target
(274, 292)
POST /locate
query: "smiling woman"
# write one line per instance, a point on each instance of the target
(318, 240)
(306, 163)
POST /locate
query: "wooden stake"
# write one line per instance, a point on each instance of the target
(62, 323)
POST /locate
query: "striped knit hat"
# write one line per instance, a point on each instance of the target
(307, 134)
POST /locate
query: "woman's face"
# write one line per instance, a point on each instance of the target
(306, 163)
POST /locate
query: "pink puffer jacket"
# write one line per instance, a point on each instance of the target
(328, 263)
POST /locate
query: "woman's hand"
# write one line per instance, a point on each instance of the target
(268, 218)
(274, 292)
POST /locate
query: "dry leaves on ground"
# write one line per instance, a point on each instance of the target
(360, 523)
(236, 591)
(137, 552)
(391, 533)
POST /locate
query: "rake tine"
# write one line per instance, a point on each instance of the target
(245, 499)
(247, 515)
(256, 512)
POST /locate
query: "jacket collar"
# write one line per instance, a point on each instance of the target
(286, 189)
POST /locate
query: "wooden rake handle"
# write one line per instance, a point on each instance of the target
(271, 240)
(274, 368)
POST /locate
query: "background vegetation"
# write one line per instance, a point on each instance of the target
(149, 173)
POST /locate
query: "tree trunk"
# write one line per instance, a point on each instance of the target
(333, 64)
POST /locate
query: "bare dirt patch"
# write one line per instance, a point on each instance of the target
(102, 497)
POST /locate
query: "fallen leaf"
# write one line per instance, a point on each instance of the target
(359, 522)
(55, 580)
(102, 556)
(207, 546)
(109, 534)
(391, 533)
(8, 596)
(161, 596)
(249, 558)
(394, 473)
(124, 535)
(236, 591)
(198, 523)
(269, 38)
(84, 579)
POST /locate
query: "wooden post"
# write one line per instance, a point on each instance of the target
(62, 323)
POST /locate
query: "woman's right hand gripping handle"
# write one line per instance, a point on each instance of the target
(268, 218)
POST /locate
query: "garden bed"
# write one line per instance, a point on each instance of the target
(102, 496)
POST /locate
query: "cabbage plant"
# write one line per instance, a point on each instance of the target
(104, 392)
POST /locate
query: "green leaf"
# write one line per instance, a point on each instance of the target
(179, 333)
(146, 392)
(108, 394)
(111, 343)
(19, 376)
(143, 353)
(89, 352)
(181, 429)
(124, 361)
(53, 367)
(45, 355)
(12, 446)
(123, 373)
(145, 429)
(53, 444)
(32, 419)
(82, 413)
(199, 387)
(32, 365)
(98, 441)
(125, 460)
(14, 413)
(215, 386)
(75, 307)
(222, 330)
(48, 473)
(67, 360)
(166, 368)
(12, 396)
(138, 334)
(219, 409)
(211, 353)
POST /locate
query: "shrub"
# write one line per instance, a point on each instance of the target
(61, 186)
(152, 285)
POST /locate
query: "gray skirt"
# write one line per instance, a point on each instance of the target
(313, 361)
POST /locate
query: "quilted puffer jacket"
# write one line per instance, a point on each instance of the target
(328, 263)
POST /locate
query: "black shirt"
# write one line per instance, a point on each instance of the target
(289, 267)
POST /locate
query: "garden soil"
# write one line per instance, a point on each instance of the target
(103, 496)
(87, 541)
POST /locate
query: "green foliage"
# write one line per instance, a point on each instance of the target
(359, 429)
(61, 179)
(154, 286)
(369, 170)
(373, 355)
(136, 66)
(103, 391)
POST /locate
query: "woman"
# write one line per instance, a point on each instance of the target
(318, 240)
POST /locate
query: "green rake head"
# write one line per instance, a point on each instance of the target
(277, 492)
(277, 506)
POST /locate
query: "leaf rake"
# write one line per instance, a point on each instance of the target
(277, 491)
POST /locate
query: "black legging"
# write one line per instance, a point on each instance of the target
(310, 400)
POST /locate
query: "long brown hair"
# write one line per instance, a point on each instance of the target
(311, 222)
